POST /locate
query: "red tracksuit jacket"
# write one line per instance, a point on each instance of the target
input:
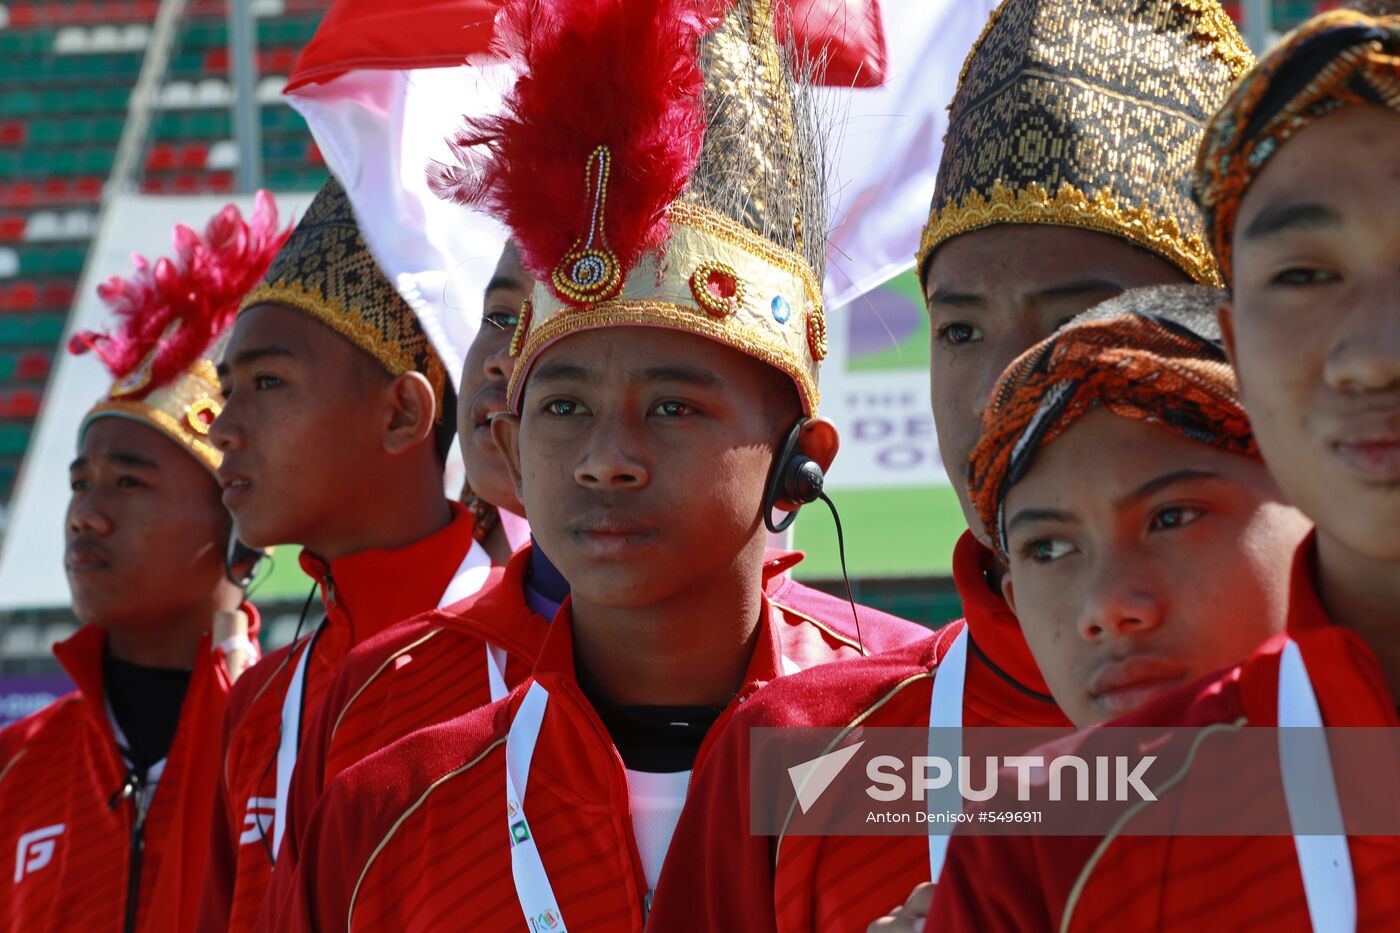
(414, 837)
(720, 877)
(1190, 883)
(363, 594)
(77, 856)
(428, 670)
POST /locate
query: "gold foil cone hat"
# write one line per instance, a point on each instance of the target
(692, 186)
(1088, 113)
(327, 271)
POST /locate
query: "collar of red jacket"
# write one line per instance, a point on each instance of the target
(1346, 677)
(81, 653)
(992, 625)
(498, 612)
(372, 589)
(555, 665)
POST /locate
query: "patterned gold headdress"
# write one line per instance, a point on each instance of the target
(326, 270)
(174, 316)
(1088, 113)
(658, 167)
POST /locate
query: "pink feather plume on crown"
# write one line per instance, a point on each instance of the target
(201, 287)
(618, 73)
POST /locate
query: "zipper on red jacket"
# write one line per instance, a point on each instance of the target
(134, 789)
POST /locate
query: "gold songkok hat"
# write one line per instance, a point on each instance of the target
(1088, 113)
(658, 166)
(326, 270)
(174, 316)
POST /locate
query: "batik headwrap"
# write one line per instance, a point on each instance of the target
(1137, 365)
(1087, 114)
(326, 270)
(173, 317)
(658, 166)
(1336, 60)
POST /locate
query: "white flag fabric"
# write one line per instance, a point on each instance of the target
(885, 158)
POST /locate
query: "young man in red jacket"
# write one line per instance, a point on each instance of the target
(337, 420)
(1021, 237)
(105, 795)
(665, 372)
(1297, 180)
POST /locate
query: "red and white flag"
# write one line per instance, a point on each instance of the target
(382, 86)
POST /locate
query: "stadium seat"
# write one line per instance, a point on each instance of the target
(13, 438)
(32, 366)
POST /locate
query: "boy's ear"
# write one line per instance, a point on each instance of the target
(1008, 591)
(411, 405)
(505, 431)
(819, 440)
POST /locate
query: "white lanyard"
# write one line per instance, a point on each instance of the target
(467, 579)
(537, 901)
(945, 712)
(1310, 787)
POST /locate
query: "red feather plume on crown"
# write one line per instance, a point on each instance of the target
(199, 290)
(617, 76)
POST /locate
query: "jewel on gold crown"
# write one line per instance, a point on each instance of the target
(590, 272)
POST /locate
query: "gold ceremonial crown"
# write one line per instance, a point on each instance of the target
(742, 261)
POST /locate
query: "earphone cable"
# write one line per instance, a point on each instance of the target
(845, 578)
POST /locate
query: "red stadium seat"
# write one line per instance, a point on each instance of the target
(193, 156)
(33, 366)
(19, 194)
(57, 296)
(161, 158)
(23, 296)
(11, 228)
(13, 133)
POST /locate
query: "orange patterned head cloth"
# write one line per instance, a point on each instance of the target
(1339, 59)
(1151, 355)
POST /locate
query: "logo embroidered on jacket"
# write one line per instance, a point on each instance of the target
(35, 849)
(257, 822)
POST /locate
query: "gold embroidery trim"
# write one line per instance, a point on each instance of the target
(717, 305)
(736, 234)
(333, 313)
(673, 317)
(164, 422)
(198, 408)
(1071, 207)
(1216, 29)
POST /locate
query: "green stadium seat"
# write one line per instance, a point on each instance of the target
(13, 438)
(48, 330)
(19, 103)
(9, 362)
(14, 331)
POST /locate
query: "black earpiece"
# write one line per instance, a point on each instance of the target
(238, 554)
(795, 477)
